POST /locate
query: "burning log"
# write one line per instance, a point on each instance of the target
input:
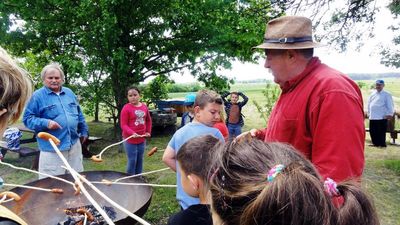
(76, 216)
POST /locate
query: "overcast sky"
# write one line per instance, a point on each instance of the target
(367, 60)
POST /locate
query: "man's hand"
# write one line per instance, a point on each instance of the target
(252, 133)
(53, 125)
(147, 134)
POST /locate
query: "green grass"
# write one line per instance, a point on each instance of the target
(381, 176)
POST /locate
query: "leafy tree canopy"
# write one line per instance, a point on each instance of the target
(391, 55)
(130, 41)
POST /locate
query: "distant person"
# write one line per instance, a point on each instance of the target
(188, 116)
(207, 107)
(55, 109)
(320, 110)
(221, 126)
(135, 119)
(234, 116)
(380, 110)
(192, 158)
(253, 182)
(15, 90)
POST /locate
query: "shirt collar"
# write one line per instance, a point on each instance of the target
(291, 84)
(48, 91)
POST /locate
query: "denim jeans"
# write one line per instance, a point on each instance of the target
(134, 153)
(234, 130)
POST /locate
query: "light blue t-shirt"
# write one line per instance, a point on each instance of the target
(180, 137)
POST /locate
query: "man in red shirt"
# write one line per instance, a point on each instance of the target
(320, 110)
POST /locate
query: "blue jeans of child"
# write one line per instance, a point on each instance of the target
(134, 152)
(234, 130)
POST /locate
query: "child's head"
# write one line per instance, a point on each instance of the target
(234, 97)
(247, 190)
(221, 116)
(15, 90)
(189, 101)
(133, 95)
(207, 107)
(194, 158)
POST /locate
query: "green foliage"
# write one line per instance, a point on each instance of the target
(157, 89)
(362, 84)
(216, 83)
(390, 55)
(113, 44)
(192, 87)
(271, 94)
(393, 165)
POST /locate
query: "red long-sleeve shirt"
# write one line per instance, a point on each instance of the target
(135, 119)
(320, 113)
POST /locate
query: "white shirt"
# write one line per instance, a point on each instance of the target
(380, 104)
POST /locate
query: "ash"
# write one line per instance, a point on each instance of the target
(75, 218)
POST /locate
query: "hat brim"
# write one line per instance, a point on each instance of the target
(188, 103)
(299, 45)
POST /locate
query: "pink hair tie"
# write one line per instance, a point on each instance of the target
(331, 187)
(274, 171)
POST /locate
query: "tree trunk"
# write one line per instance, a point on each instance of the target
(96, 112)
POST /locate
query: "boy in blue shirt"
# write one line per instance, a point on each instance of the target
(207, 107)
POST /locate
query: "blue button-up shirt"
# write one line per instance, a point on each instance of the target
(380, 104)
(63, 108)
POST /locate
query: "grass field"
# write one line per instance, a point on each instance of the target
(381, 177)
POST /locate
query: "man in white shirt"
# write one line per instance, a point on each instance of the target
(380, 110)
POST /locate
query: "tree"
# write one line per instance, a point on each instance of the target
(130, 41)
(271, 94)
(337, 22)
(391, 55)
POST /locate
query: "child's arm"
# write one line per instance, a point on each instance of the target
(245, 98)
(169, 158)
(124, 118)
(223, 96)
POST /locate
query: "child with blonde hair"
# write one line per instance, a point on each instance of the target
(15, 90)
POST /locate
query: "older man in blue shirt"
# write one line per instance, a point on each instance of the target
(380, 110)
(55, 109)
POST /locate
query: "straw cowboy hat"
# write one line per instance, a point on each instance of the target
(289, 32)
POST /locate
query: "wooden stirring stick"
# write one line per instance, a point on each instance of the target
(97, 158)
(52, 140)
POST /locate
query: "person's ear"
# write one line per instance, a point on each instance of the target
(3, 111)
(196, 109)
(194, 180)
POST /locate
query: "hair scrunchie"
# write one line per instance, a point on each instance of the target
(274, 171)
(331, 187)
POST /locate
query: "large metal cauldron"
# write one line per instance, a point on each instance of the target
(43, 208)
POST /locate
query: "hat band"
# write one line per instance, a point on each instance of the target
(287, 40)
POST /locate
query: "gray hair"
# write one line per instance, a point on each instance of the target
(53, 65)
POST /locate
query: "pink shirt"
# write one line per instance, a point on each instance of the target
(135, 119)
(320, 113)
